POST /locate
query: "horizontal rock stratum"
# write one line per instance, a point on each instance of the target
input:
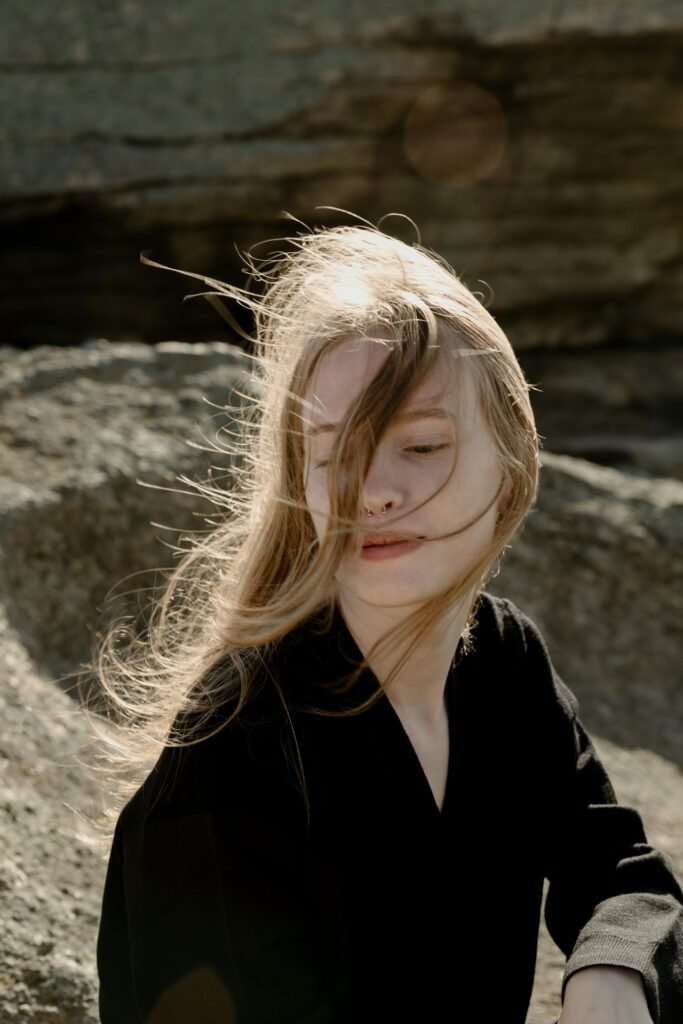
(537, 146)
(599, 565)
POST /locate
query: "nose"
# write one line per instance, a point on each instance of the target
(382, 490)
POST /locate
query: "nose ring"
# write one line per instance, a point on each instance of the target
(384, 509)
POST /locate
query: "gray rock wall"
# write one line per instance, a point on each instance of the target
(538, 147)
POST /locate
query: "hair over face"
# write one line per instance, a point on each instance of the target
(263, 571)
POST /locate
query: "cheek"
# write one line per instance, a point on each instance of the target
(317, 501)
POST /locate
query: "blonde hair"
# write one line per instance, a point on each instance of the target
(262, 571)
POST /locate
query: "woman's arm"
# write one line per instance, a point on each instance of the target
(612, 899)
(604, 995)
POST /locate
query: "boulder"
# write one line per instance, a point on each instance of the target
(619, 407)
(92, 441)
(51, 875)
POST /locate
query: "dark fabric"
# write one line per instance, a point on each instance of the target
(223, 897)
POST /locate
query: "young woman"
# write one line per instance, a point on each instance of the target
(363, 765)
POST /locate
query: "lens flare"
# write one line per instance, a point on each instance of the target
(455, 135)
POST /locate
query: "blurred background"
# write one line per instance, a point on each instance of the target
(538, 148)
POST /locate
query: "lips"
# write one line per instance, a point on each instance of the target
(388, 537)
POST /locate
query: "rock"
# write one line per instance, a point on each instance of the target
(538, 149)
(620, 407)
(598, 566)
(51, 878)
(78, 429)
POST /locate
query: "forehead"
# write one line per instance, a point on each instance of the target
(345, 371)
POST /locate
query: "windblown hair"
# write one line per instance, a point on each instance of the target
(263, 571)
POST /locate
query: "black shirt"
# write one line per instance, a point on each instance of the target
(225, 901)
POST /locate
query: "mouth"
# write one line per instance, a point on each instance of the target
(388, 539)
(383, 546)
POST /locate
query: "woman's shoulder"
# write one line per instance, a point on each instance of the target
(232, 765)
(515, 648)
(500, 620)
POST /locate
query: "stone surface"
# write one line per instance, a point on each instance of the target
(614, 406)
(538, 147)
(78, 429)
(598, 565)
(51, 878)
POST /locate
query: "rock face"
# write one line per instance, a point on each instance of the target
(79, 428)
(537, 147)
(599, 566)
(617, 407)
(50, 876)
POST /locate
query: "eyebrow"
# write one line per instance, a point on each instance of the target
(404, 417)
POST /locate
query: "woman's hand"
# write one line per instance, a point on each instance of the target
(605, 995)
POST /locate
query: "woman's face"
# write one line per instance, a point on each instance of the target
(408, 478)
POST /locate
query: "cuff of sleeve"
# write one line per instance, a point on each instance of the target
(607, 940)
(608, 951)
(616, 951)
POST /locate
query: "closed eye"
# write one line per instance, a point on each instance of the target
(427, 449)
(423, 450)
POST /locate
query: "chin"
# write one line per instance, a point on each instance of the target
(385, 596)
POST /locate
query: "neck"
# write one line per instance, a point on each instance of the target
(418, 688)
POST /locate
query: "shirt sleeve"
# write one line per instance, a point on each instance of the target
(612, 898)
(206, 917)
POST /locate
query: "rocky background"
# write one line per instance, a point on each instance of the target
(539, 149)
(537, 145)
